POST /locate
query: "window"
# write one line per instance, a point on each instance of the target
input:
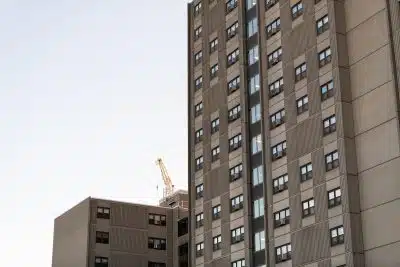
(199, 249)
(231, 5)
(100, 262)
(157, 219)
(233, 57)
(326, 90)
(337, 236)
(198, 136)
(277, 118)
(215, 126)
(235, 142)
(239, 263)
(237, 235)
(232, 30)
(334, 197)
(198, 109)
(235, 172)
(297, 10)
(280, 184)
(198, 58)
(199, 163)
(308, 207)
(214, 45)
(300, 72)
(279, 151)
(257, 175)
(216, 212)
(276, 87)
(256, 144)
(217, 243)
(197, 9)
(183, 226)
(250, 4)
(259, 241)
(156, 264)
(258, 208)
(198, 83)
(322, 24)
(273, 28)
(302, 105)
(214, 71)
(281, 218)
(306, 172)
(254, 84)
(332, 160)
(234, 113)
(199, 191)
(252, 27)
(329, 125)
(325, 57)
(252, 55)
(215, 154)
(283, 253)
(275, 57)
(270, 3)
(197, 33)
(102, 237)
(236, 203)
(199, 220)
(233, 85)
(103, 213)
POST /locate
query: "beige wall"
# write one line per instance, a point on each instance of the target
(71, 233)
(376, 128)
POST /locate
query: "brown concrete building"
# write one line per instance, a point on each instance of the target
(106, 233)
(294, 145)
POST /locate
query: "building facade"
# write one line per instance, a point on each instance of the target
(294, 145)
(105, 233)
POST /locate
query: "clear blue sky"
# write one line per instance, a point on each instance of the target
(91, 93)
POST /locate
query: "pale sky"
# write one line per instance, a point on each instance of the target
(91, 93)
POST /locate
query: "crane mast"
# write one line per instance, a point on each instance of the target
(168, 190)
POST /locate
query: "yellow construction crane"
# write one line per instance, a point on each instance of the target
(169, 188)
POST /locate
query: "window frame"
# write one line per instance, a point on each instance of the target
(273, 28)
(276, 122)
(322, 24)
(199, 191)
(232, 57)
(252, 27)
(199, 220)
(216, 215)
(279, 219)
(278, 186)
(214, 71)
(102, 237)
(232, 30)
(297, 10)
(258, 208)
(230, 6)
(334, 162)
(233, 85)
(279, 153)
(302, 74)
(254, 84)
(274, 57)
(154, 240)
(101, 261)
(276, 87)
(215, 125)
(237, 235)
(309, 210)
(199, 163)
(197, 9)
(253, 55)
(336, 199)
(256, 144)
(217, 245)
(103, 213)
(302, 104)
(213, 45)
(198, 57)
(338, 239)
(198, 32)
(282, 257)
(258, 244)
(236, 203)
(235, 142)
(215, 153)
(255, 113)
(234, 113)
(157, 219)
(257, 175)
(270, 3)
(198, 136)
(308, 174)
(329, 90)
(199, 249)
(327, 57)
(331, 126)
(235, 175)
(198, 83)
(198, 109)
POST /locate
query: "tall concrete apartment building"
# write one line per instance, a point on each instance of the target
(105, 233)
(294, 141)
